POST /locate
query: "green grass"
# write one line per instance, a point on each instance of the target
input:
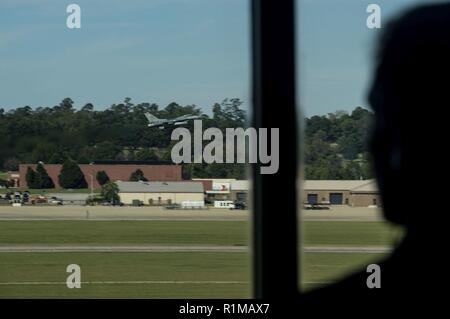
(124, 232)
(175, 266)
(340, 233)
(321, 268)
(51, 267)
(122, 267)
(186, 232)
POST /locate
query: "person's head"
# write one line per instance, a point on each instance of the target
(410, 93)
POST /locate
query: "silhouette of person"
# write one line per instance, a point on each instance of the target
(409, 95)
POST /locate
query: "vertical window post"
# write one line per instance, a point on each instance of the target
(275, 262)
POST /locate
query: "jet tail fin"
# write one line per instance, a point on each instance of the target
(150, 117)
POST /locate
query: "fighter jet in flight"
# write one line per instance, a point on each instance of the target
(153, 121)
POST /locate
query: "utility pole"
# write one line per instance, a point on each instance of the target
(92, 180)
(92, 185)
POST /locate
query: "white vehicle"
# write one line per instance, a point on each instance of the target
(223, 204)
(192, 204)
(55, 201)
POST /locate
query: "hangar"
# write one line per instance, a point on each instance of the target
(357, 193)
(160, 193)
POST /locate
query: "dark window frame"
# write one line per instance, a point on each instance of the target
(275, 233)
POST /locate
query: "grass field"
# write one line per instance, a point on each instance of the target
(167, 274)
(186, 232)
(152, 268)
(154, 275)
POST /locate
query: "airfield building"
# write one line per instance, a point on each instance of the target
(14, 177)
(239, 190)
(225, 189)
(160, 193)
(217, 188)
(356, 193)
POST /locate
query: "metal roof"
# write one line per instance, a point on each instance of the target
(344, 185)
(215, 180)
(370, 187)
(160, 187)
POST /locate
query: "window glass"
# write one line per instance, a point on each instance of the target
(92, 202)
(341, 208)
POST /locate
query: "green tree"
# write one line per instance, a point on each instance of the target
(110, 191)
(146, 155)
(102, 177)
(30, 177)
(335, 167)
(367, 170)
(348, 146)
(353, 171)
(66, 105)
(42, 179)
(57, 158)
(11, 164)
(42, 152)
(82, 159)
(106, 150)
(71, 176)
(138, 175)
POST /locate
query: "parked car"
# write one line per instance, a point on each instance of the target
(137, 203)
(26, 196)
(172, 206)
(239, 205)
(113, 203)
(316, 206)
(39, 199)
(54, 201)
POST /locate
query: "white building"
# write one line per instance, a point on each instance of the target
(160, 193)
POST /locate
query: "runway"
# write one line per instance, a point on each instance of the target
(102, 213)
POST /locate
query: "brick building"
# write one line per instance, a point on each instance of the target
(122, 172)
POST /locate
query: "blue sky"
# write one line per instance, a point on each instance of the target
(188, 51)
(335, 51)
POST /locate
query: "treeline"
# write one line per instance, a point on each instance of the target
(334, 144)
(55, 134)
